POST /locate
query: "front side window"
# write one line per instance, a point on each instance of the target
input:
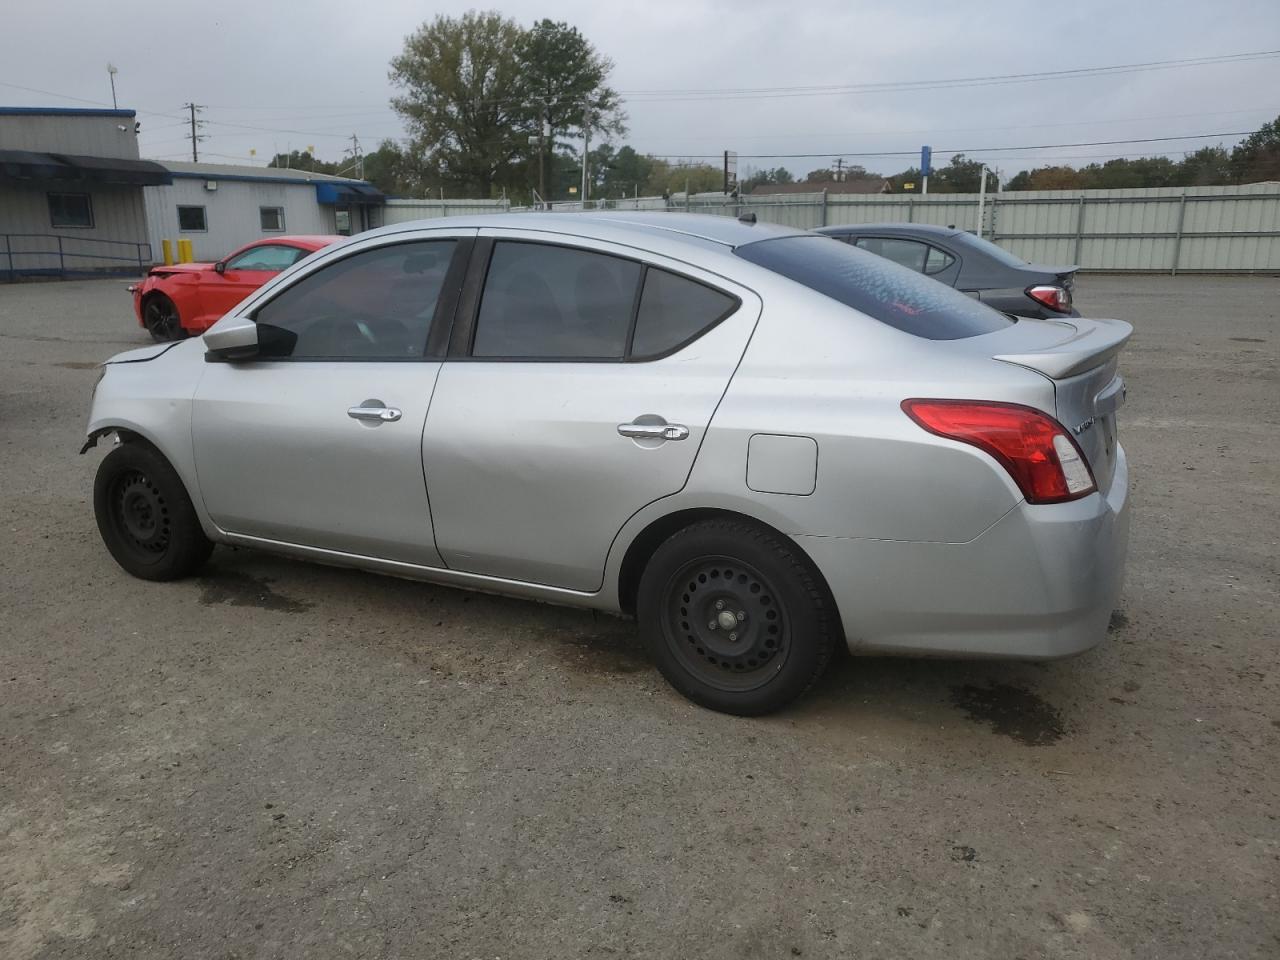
(70, 210)
(872, 285)
(542, 301)
(674, 310)
(375, 305)
(271, 257)
(271, 219)
(192, 220)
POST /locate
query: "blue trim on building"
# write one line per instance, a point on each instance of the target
(65, 112)
(266, 178)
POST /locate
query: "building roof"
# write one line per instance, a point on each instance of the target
(64, 112)
(830, 186)
(185, 169)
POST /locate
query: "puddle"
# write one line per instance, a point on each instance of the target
(1247, 339)
(77, 365)
(242, 590)
(1011, 712)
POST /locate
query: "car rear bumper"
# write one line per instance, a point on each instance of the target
(1040, 583)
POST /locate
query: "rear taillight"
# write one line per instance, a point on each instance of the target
(1053, 297)
(1035, 448)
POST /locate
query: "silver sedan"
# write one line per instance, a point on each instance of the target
(760, 442)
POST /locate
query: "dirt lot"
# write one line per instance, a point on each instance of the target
(284, 760)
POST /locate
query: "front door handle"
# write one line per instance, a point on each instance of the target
(374, 411)
(654, 431)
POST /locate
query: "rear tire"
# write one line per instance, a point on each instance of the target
(160, 317)
(145, 516)
(736, 617)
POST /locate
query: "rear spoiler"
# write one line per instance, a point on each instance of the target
(1094, 343)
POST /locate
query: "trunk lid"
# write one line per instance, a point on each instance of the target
(1080, 357)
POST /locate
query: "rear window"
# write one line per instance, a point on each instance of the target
(894, 295)
(996, 253)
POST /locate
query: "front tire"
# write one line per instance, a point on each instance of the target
(145, 516)
(160, 317)
(736, 617)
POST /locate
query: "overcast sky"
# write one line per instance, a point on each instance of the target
(314, 73)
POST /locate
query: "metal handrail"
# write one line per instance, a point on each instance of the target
(140, 254)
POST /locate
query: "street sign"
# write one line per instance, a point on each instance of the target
(926, 161)
(908, 186)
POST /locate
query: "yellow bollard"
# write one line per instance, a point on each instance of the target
(184, 251)
(167, 248)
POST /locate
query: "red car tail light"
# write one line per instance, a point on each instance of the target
(1036, 449)
(1053, 297)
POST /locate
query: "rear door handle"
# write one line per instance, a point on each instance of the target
(654, 431)
(374, 411)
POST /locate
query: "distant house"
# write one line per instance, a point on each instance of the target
(830, 186)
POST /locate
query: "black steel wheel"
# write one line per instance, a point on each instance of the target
(735, 617)
(160, 316)
(145, 516)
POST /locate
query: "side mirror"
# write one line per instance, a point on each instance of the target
(220, 267)
(235, 341)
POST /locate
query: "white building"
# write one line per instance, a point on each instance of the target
(219, 207)
(71, 192)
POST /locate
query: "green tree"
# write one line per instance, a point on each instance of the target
(395, 171)
(302, 160)
(1207, 166)
(563, 78)
(465, 100)
(1258, 155)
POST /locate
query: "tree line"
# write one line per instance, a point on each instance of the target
(493, 108)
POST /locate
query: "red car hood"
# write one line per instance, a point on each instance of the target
(179, 268)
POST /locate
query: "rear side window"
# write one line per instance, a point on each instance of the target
(892, 294)
(673, 311)
(909, 253)
(542, 302)
(375, 305)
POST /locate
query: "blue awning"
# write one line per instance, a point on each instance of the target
(349, 194)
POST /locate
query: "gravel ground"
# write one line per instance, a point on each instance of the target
(285, 760)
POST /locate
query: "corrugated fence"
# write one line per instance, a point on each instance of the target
(1161, 229)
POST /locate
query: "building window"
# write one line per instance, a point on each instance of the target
(192, 220)
(70, 210)
(272, 219)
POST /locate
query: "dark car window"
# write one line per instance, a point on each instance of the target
(909, 253)
(375, 305)
(543, 301)
(891, 294)
(270, 257)
(673, 311)
(997, 253)
(937, 261)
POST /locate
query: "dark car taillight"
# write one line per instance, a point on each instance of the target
(1036, 449)
(1053, 297)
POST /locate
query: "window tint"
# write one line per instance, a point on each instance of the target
(374, 305)
(882, 290)
(192, 220)
(674, 310)
(909, 253)
(938, 261)
(70, 210)
(271, 219)
(273, 257)
(545, 301)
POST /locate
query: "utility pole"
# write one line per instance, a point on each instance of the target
(357, 155)
(544, 132)
(839, 169)
(982, 198)
(111, 72)
(194, 137)
(586, 148)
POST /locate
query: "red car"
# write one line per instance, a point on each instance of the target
(177, 301)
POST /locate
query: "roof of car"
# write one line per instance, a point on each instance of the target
(725, 230)
(893, 229)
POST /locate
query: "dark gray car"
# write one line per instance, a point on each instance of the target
(970, 264)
